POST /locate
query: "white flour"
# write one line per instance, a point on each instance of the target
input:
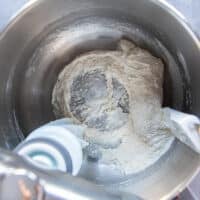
(130, 130)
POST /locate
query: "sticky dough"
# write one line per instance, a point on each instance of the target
(122, 106)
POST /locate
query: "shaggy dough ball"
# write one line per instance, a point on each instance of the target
(118, 96)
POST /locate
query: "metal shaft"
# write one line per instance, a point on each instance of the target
(23, 177)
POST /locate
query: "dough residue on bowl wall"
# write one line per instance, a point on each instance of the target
(118, 96)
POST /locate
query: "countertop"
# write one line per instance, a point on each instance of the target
(190, 9)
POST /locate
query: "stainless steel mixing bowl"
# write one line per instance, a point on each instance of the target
(48, 34)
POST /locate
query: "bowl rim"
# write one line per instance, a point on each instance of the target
(171, 10)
